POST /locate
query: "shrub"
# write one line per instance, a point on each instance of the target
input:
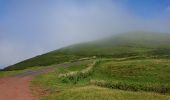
(77, 75)
(159, 88)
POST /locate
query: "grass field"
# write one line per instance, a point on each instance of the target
(145, 75)
(98, 93)
(144, 70)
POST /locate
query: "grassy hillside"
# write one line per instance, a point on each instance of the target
(144, 70)
(98, 93)
(142, 79)
(124, 45)
(134, 75)
(134, 44)
(43, 60)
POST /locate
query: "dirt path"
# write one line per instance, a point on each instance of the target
(17, 87)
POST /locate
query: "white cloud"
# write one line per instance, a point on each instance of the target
(12, 52)
(33, 29)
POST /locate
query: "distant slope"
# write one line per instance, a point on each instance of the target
(130, 44)
(142, 44)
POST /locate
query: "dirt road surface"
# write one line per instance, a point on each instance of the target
(17, 87)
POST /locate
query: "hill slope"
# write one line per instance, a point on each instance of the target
(134, 44)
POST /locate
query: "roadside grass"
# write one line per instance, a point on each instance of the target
(132, 75)
(8, 73)
(52, 81)
(14, 72)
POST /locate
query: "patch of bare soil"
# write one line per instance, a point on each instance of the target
(18, 87)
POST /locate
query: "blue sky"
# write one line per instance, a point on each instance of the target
(148, 8)
(142, 8)
(32, 27)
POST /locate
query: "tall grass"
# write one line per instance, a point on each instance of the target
(98, 93)
(159, 88)
(75, 76)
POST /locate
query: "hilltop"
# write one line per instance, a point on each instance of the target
(132, 44)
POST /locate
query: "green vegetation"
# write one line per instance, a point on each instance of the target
(146, 74)
(151, 75)
(124, 45)
(75, 76)
(144, 70)
(98, 93)
(141, 44)
(138, 63)
(43, 60)
(8, 73)
(15, 72)
(159, 88)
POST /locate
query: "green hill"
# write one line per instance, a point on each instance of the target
(124, 45)
(129, 66)
(133, 44)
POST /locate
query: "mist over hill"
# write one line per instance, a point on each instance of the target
(30, 28)
(132, 44)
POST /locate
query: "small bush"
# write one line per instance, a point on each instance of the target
(159, 88)
(77, 75)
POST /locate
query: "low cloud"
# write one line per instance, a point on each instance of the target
(33, 28)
